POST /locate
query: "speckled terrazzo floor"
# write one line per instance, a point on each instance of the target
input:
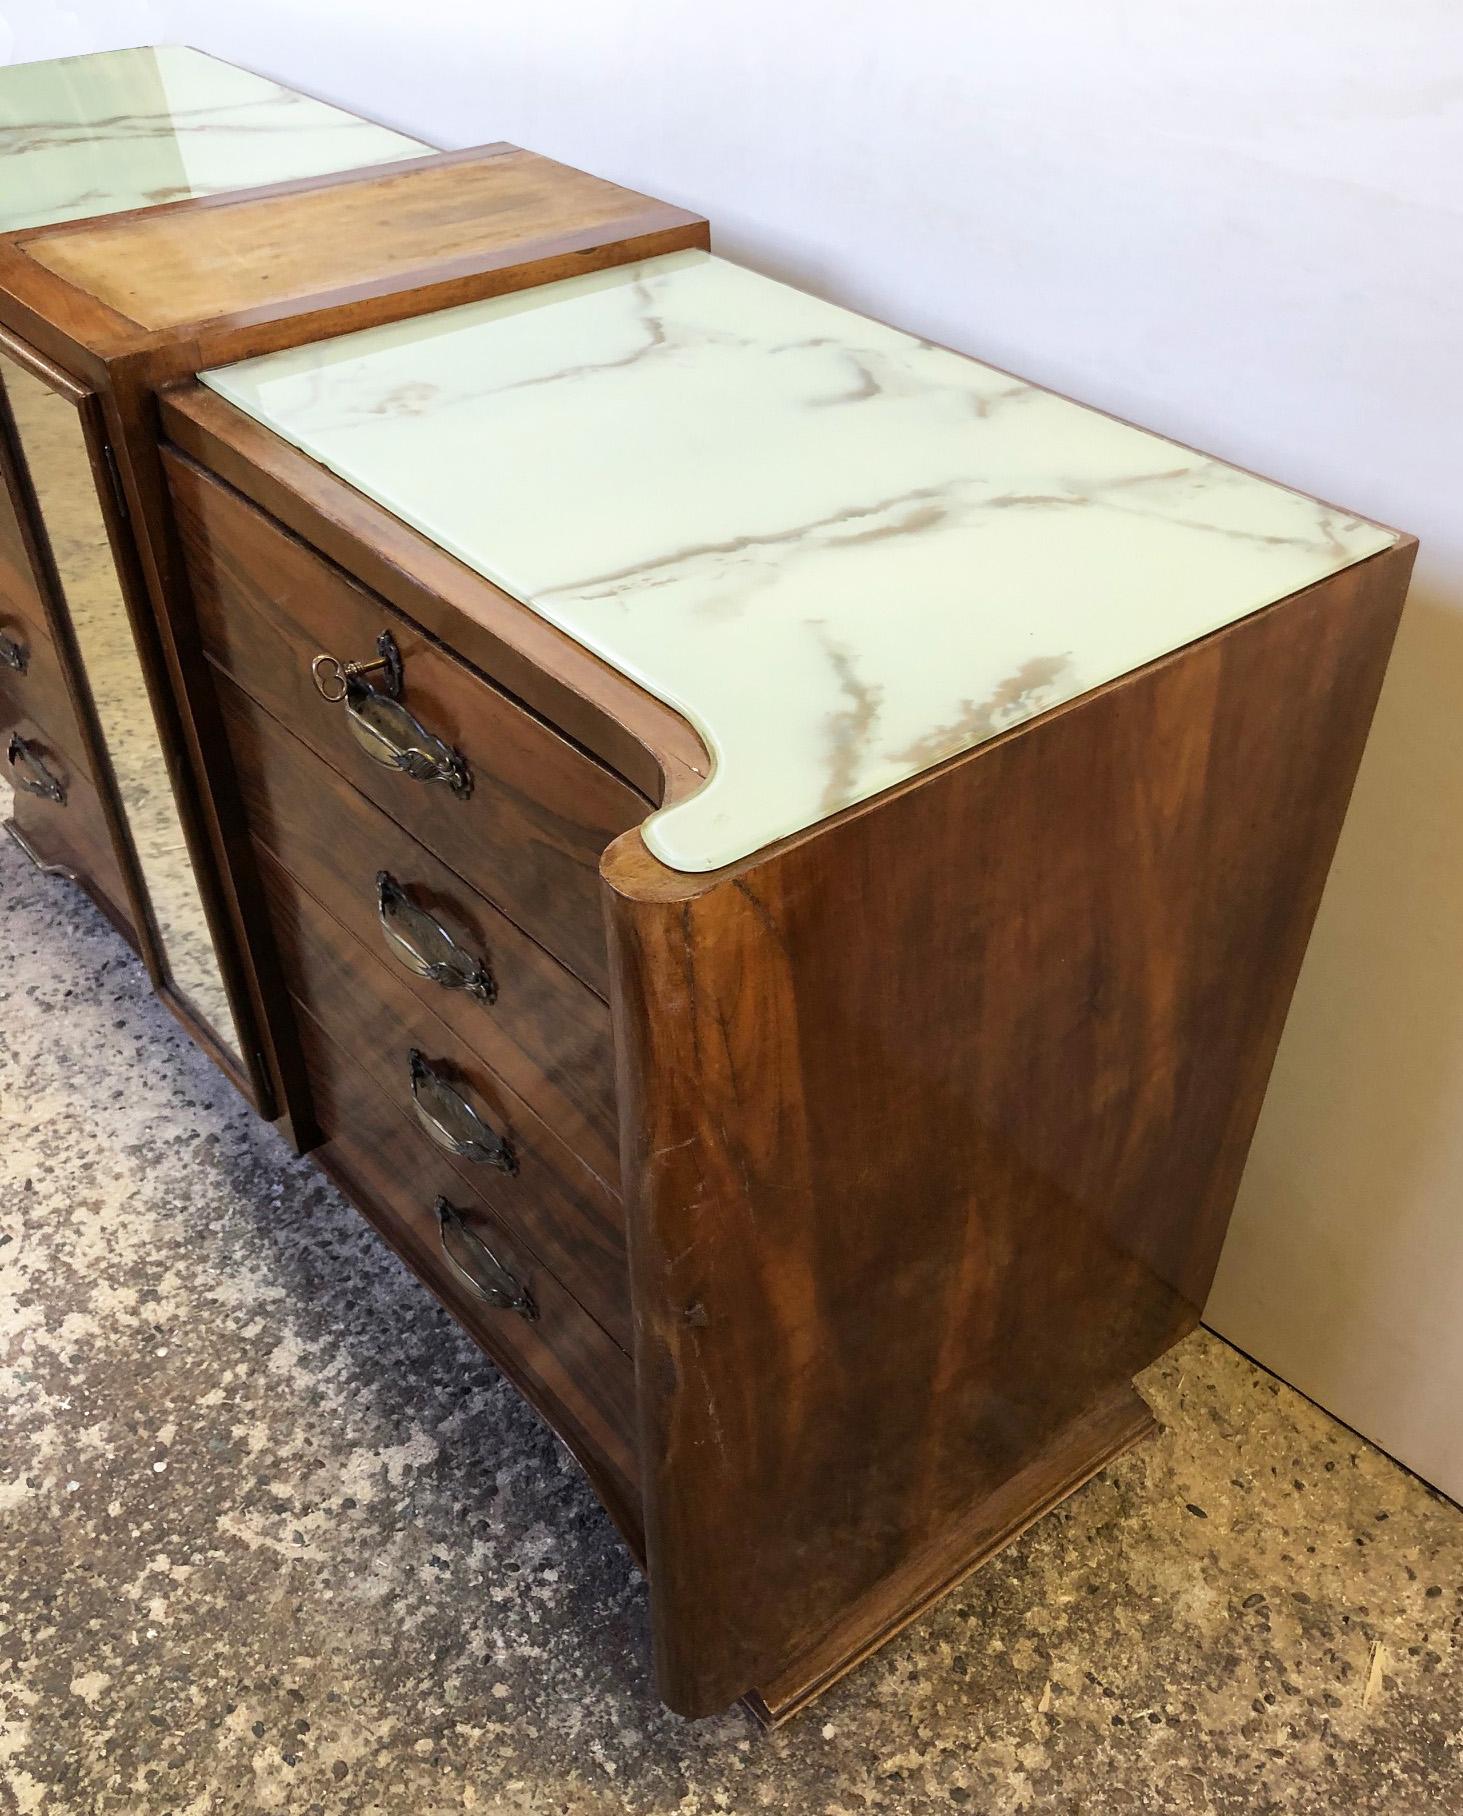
(273, 1536)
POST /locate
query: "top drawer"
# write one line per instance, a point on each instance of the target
(539, 812)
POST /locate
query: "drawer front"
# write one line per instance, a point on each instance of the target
(71, 832)
(529, 833)
(566, 1214)
(544, 1033)
(561, 1360)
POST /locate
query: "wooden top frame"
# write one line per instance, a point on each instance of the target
(172, 289)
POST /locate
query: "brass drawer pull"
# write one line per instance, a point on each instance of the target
(30, 773)
(381, 725)
(35, 857)
(14, 655)
(425, 946)
(452, 1122)
(479, 1268)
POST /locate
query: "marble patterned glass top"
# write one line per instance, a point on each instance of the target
(844, 554)
(84, 136)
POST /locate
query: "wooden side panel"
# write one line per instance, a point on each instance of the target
(934, 1118)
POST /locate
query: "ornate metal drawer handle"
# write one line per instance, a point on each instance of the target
(425, 946)
(452, 1122)
(381, 725)
(480, 1269)
(31, 773)
(14, 655)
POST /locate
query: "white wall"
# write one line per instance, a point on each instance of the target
(1240, 224)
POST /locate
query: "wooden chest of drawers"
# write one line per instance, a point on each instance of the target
(824, 1190)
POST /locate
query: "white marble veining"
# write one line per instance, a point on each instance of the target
(124, 129)
(845, 555)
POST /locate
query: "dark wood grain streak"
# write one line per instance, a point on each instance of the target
(547, 1035)
(1069, 1459)
(935, 1115)
(529, 836)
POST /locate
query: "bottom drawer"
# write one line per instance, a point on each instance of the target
(71, 832)
(559, 1358)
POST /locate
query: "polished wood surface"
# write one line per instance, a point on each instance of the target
(529, 835)
(197, 282)
(934, 1116)
(546, 1034)
(557, 1206)
(401, 226)
(1073, 1456)
(562, 1362)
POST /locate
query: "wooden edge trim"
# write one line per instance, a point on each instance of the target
(38, 321)
(51, 376)
(520, 266)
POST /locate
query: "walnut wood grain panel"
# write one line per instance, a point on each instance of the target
(562, 1362)
(1069, 1459)
(174, 267)
(546, 1035)
(935, 1116)
(73, 833)
(530, 835)
(559, 1208)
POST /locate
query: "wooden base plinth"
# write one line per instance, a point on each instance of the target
(1084, 1447)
